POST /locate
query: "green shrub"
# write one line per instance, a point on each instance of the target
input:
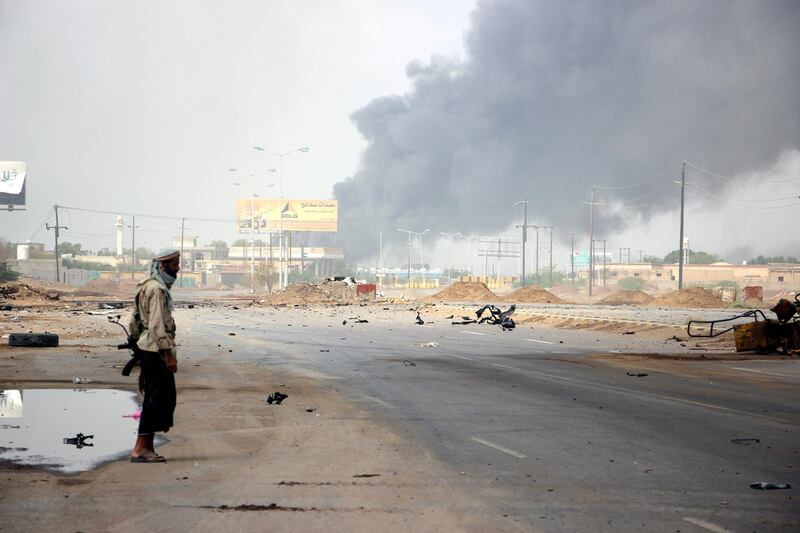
(631, 284)
(7, 274)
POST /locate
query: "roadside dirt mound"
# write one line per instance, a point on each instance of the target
(691, 297)
(303, 293)
(533, 295)
(626, 297)
(465, 291)
(27, 293)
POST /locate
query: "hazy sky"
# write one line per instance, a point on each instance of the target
(417, 114)
(143, 106)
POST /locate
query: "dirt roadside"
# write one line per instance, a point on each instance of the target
(234, 462)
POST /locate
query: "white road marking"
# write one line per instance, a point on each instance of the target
(508, 367)
(378, 400)
(540, 342)
(706, 525)
(756, 371)
(503, 449)
(473, 333)
(640, 393)
(462, 357)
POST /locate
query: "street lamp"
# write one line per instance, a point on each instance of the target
(408, 279)
(449, 254)
(283, 280)
(252, 223)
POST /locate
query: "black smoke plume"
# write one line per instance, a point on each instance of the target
(556, 95)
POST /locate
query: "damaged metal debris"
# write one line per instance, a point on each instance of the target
(79, 440)
(497, 317)
(758, 333)
(276, 398)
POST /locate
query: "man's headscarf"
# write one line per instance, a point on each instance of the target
(157, 272)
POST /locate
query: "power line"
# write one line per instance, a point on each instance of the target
(630, 185)
(743, 202)
(728, 178)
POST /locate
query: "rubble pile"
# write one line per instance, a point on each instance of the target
(533, 295)
(465, 291)
(691, 297)
(302, 293)
(626, 297)
(27, 293)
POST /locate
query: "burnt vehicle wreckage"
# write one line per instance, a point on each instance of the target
(753, 331)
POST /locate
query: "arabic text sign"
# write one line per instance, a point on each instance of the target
(12, 182)
(298, 215)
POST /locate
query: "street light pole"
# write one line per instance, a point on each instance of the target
(283, 277)
(408, 278)
(525, 237)
(680, 248)
(450, 255)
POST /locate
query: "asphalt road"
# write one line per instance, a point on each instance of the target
(553, 439)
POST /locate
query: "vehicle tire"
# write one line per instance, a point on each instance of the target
(33, 340)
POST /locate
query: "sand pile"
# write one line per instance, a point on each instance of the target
(465, 291)
(691, 297)
(302, 293)
(533, 295)
(626, 297)
(25, 292)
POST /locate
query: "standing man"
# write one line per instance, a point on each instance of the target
(153, 330)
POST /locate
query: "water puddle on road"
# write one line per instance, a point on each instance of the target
(41, 427)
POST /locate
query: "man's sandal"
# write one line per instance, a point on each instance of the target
(148, 459)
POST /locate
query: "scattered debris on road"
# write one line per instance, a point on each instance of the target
(764, 485)
(497, 317)
(406, 362)
(33, 340)
(432, 344)
(79, 440)
(637, 374)
(746, 442)
(419, 320)
(276, 397)
(311, 409)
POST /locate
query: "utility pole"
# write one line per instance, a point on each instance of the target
(183, 224)
(551, 256)
(640, 255)
(56, 233)
(591, 244)
(450, 255)
(408, 275)
(133, 246)
(604, 262)
(524, 236)
(537, 254)
(380, 262)
(572, 259)
(680, 248)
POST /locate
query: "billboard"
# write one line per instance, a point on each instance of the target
(298, 215)
(12, 182)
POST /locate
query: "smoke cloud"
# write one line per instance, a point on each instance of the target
(554, 96)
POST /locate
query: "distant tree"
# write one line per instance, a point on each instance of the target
(655, 260)
(220, 249)
(7, 274)
(631, 283)
(105, 252)
(142, 253)
(695, 258)
(240, 242)
(761, 260)
(69, 248)
(7, 250)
